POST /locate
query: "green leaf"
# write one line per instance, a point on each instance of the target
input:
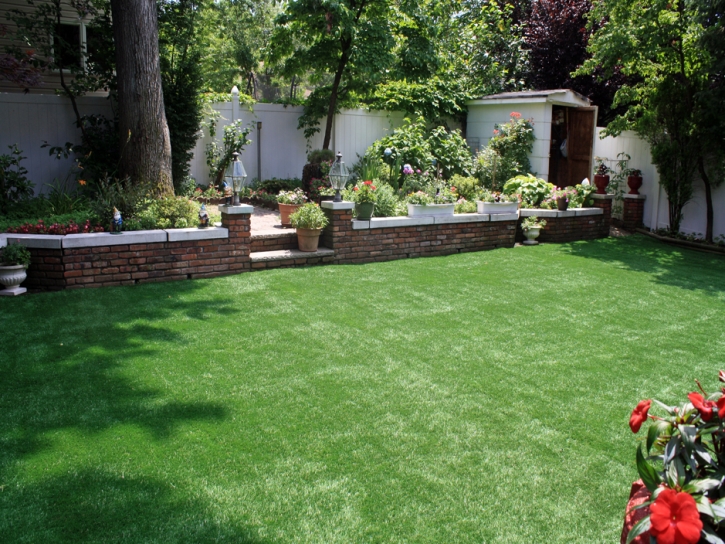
(689, 434)
(700, 486)
(710, 536)
(704, 507)
(647, 472)
(654, 432)
(642, 526)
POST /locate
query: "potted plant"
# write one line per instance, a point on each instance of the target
(324, 192)
(289, 202)
(364, 197)
(562, 197)
(489, 202)
(531, 227)
(682, 471)
(442, 202)
(634, 180)
(14, 262)
(601, 177)
(309, 220)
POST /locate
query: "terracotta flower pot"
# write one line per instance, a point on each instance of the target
(285, 210)
(601, 181)
(634, 182)
(308, 239)
(562, 204)
(638, 495)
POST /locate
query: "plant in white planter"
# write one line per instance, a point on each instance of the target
(531, 227)
(309, 221)
(489, 202)
(434, 201)
(14, 261)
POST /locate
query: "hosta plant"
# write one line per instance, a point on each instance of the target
(683, 469)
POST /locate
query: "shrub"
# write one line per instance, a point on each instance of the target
(387, 203)
(407, 143)
(451, 152)
(532, 190)
(130, 198)
(309, 216)
(465, 206)
(15, 254)
(492, 170)
(467, 187)
(319, 156)
(514, 141)
(14, 184)
(170, 212)
(275, 185)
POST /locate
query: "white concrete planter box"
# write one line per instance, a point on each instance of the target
(497, 207)
(416, 210)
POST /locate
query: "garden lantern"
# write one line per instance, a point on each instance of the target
(236, 175)
(338, 176)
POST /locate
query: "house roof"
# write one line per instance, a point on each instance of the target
(560, 97)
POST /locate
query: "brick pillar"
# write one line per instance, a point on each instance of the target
(633, 211)
(339, 215)
(605, 203)
(237, 219)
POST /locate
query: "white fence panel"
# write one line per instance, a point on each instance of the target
(281, 149)
(29, 120)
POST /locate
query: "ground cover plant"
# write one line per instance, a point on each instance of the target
(481, 397)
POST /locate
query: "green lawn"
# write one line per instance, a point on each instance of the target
(472, 398)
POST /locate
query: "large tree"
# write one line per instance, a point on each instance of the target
(345, 44)
(657, 45)
(145, 142)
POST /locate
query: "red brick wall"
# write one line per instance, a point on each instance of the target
(278, 243)
(385, 244)
(570, 229)
(632, 213)
(46, 270)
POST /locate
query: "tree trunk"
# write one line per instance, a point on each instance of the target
(708, 198)
(333, 93)
(145, 143)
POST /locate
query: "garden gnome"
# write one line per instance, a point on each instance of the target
(117, 221)
(203, 217)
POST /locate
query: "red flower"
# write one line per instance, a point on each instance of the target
(373, 187)
(703, 406)
(675, 519)
(639, 415)
(355, 189)
(721, 407)
(515, 114)
(367, 182)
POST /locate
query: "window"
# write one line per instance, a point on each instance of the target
(71, 43)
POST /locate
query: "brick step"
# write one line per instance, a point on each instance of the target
(286, 258)
(273, 241)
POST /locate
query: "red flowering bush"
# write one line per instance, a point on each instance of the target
(684, 470)
(56, 228)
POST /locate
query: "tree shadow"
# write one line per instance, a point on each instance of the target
(95, 506)
(59, 373)
(669, 265)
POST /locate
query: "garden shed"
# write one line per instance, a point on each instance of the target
(564, 125)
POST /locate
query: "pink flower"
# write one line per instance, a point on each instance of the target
(515, 115)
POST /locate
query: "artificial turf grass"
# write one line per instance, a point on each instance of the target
(472, 398)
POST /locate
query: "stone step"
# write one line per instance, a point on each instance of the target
(289, 254)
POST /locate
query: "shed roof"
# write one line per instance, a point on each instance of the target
(560, 97)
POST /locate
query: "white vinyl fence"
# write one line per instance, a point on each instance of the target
(656, 214)
(279, 149)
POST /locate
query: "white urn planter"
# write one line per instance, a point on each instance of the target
(497, 207)
(11, 277)
(531, 235)
(417, 210)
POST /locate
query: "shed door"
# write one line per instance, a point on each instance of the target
(579, 143)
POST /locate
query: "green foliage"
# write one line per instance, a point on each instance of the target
(297, 196)
(168, 213)
(514, 141)
(129, 198)
(451, 152)
(465, 206)
(14, 254)
(182, 80)
(436, 99)
(419, 198)
(387, 203)
(274, 185)
(364, 192)
(371, 167)
(467, 187)
(219, 158)
(14, 183)
(532, 222)
(658, 46)
(492, 170)
(309, 216)
(318, 156)
(531, 189)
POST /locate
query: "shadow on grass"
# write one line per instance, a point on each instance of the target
(668, 265)
(94, 506)
(69, 365)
